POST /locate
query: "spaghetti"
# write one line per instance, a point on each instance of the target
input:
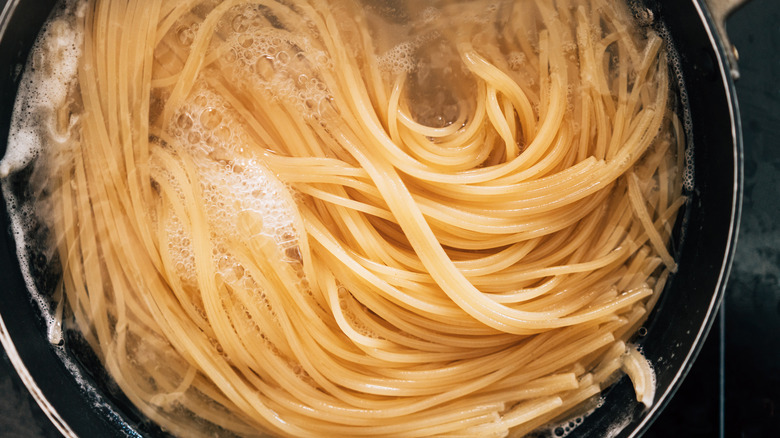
(320, 218)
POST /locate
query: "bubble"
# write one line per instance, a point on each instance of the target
(246, 40)
(516, 60)
(430, 14)
(240, 23)
(210, 118)
(193, 137)
(185, 35)
(645, 17)
(323, 61)
(282, 57)
(184, 121)
(230, 56)
(223, 132)
(264, 67)
(399, 59)
(200, 100)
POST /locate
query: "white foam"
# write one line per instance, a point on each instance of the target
(283, 65)
(516, 60)
(40, 91)
(399, 59)
(50, 72)
(234, 186)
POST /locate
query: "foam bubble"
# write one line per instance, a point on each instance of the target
(238, 191)
(564, 427)
(399, 59)
(688, 172)
(430, 14)
(516, 60)
(284, 66)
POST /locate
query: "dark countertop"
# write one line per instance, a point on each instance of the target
(753, 296)
(733, 389)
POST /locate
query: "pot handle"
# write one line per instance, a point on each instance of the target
(720, 11)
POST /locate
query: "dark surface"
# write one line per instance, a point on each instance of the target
(733, 390)
(753, 298)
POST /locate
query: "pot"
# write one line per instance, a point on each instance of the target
(67, 381)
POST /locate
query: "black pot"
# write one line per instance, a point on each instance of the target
(81, 402)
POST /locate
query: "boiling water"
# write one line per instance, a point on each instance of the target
(235, 183)
(37, 128)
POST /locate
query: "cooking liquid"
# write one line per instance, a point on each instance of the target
(235, 182)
